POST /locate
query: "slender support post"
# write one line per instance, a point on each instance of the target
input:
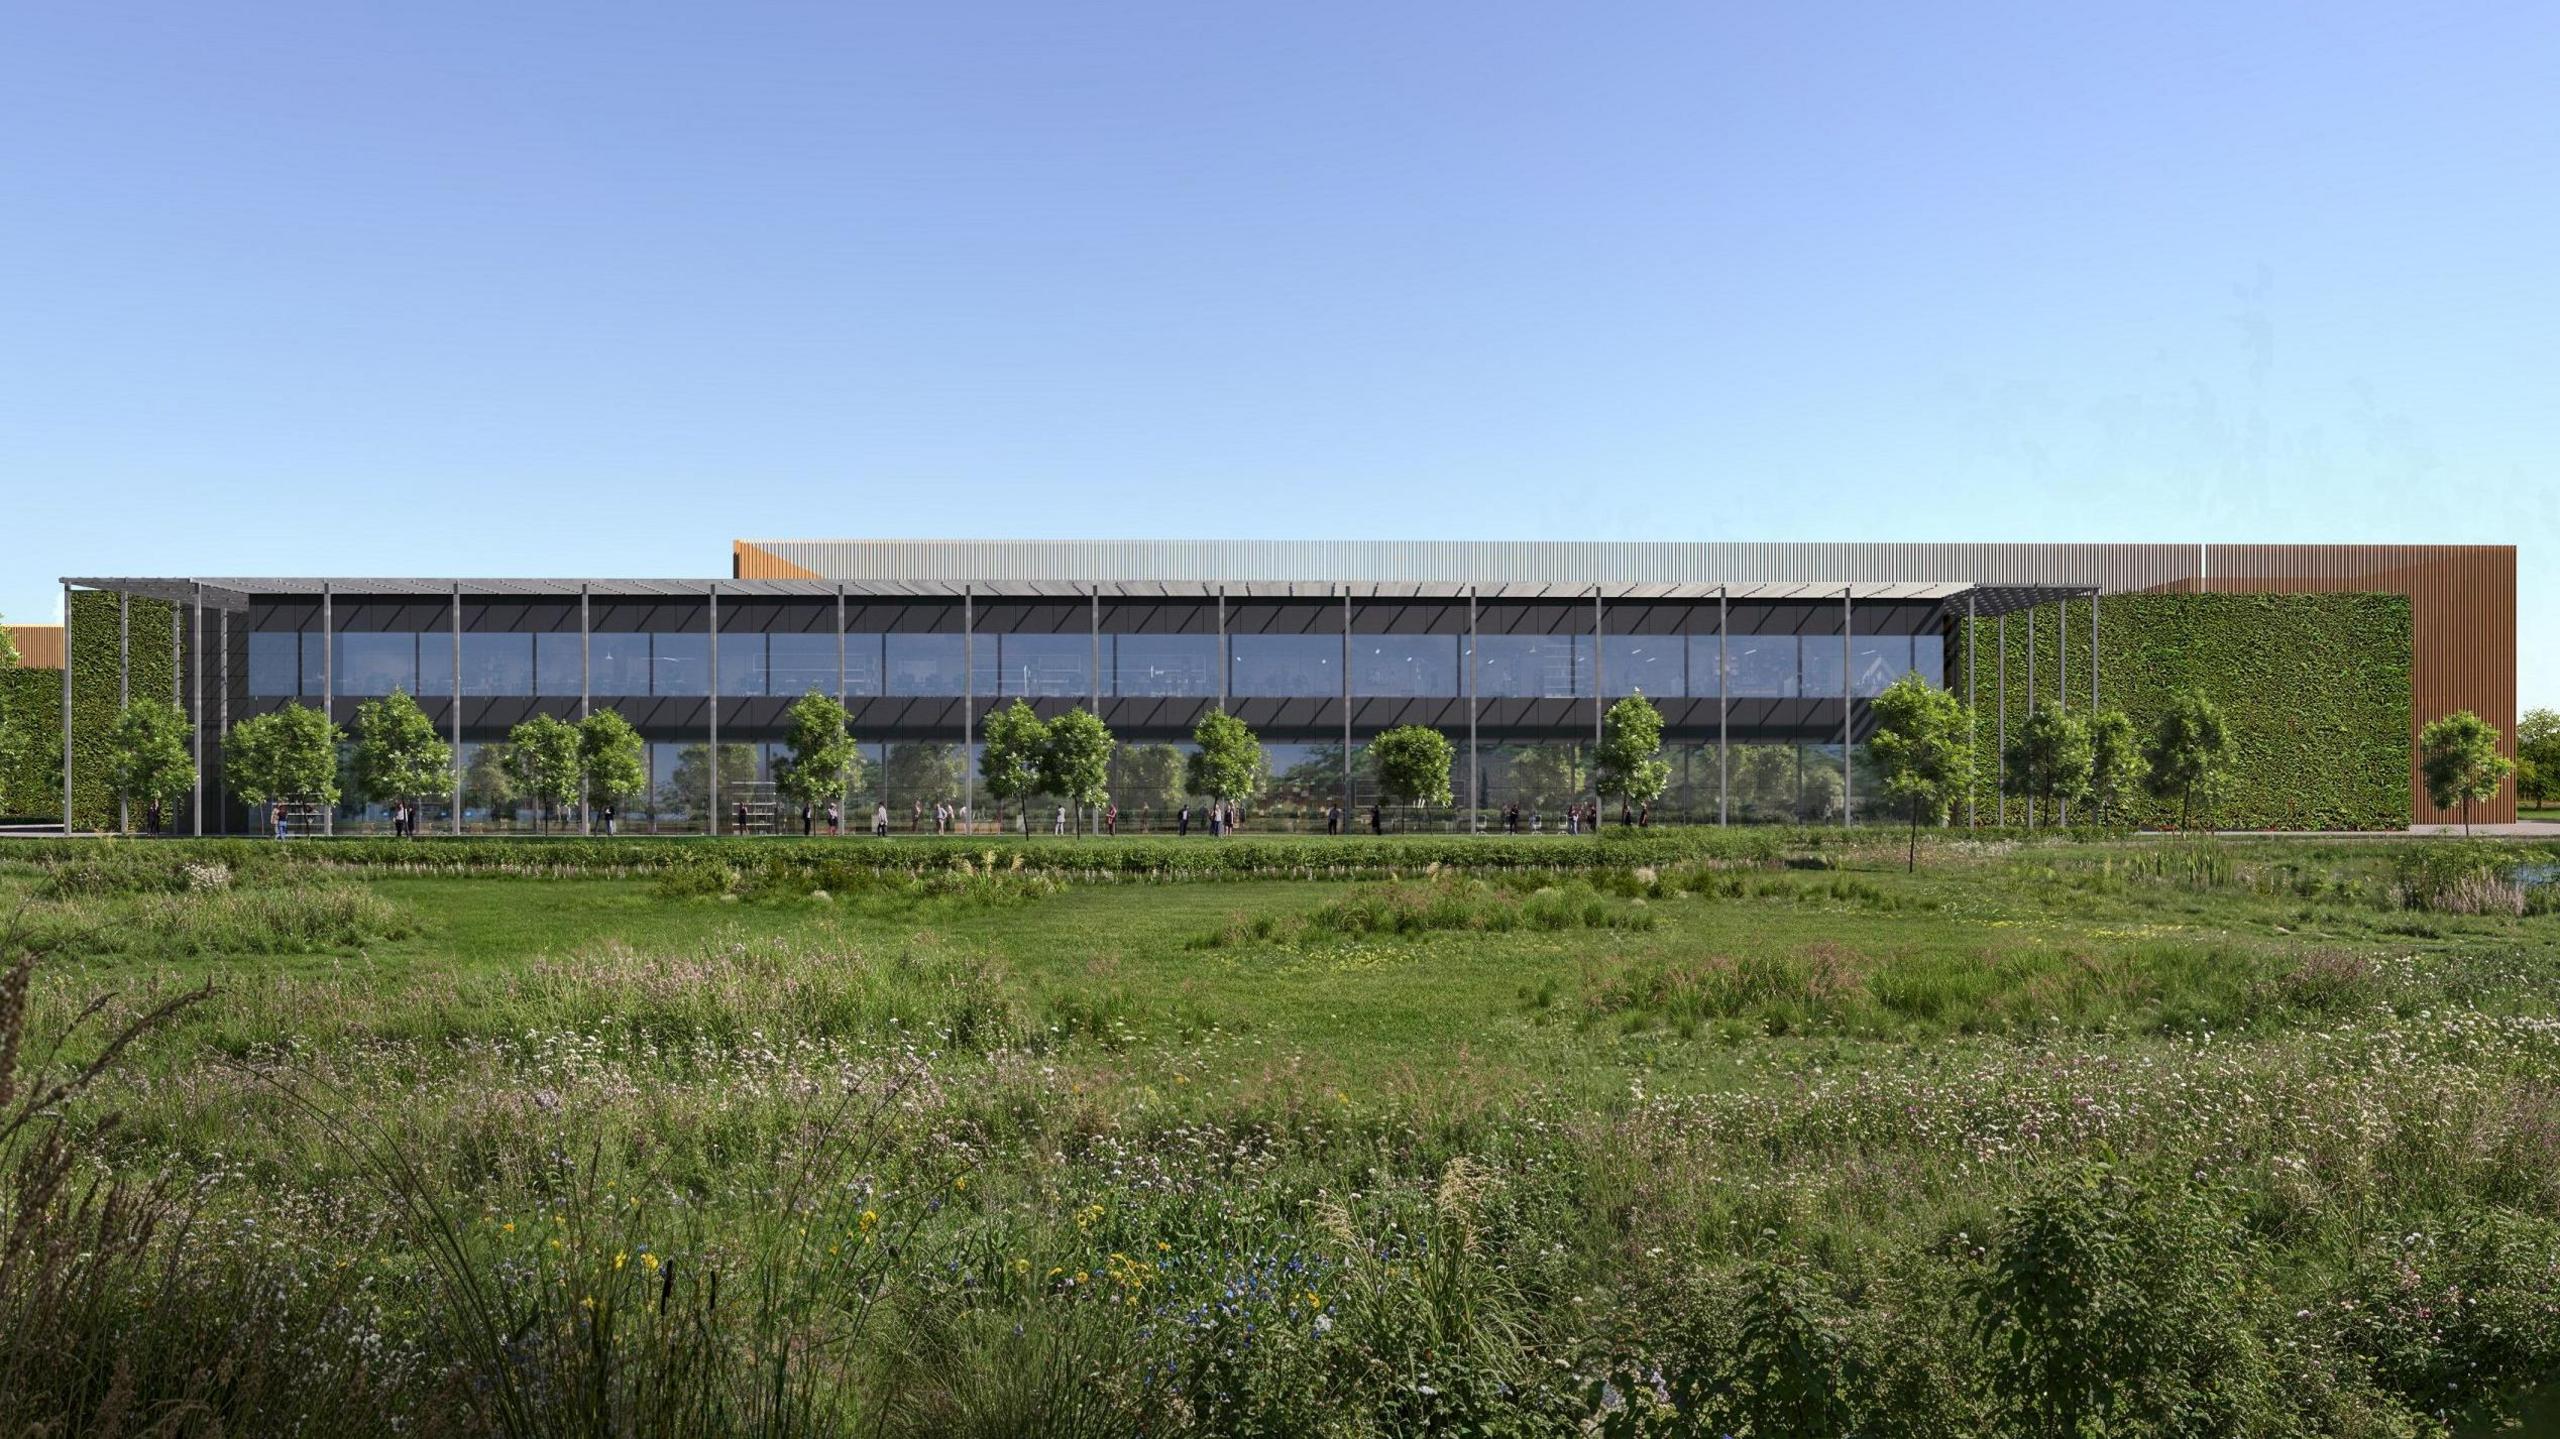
(2093, 651)
(1222, 649)
(1599, 706)
(124, 687)
(1095, 591)
(1347, 797)
(195, 657)
(66, 711)
(2062, 688)
(586, 697)
(1972, 714)
(2031, 698)
(711, 686)
(329, 689)
(1475, 769)
(844, 801)
(1848, 702)
(454, 717)
(968, 702)
(2000, 761)
(222, 706)
(1724, 707)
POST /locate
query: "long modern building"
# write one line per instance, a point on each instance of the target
(1762, 658)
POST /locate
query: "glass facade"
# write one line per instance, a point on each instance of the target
(1042, 666)
(559, 665)
(370, 665)
(1654, 665)
(619, 663)
(1405, 666)
(1533, 666)
(799, 663)
(1760, 666)
(742, 664)
(1286, 666)
(1162, 665)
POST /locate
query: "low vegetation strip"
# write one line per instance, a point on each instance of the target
(2055, 1138)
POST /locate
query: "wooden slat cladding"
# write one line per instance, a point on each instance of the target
(2462, 627)
(39, 646)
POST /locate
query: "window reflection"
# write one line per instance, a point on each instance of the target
(1151, 665)
(1058, 666)
(559, 667)
(680, 664)
(1876, 661)
(799, 663)
(1760, 666)
(1929, 658)
(497, 664)
(1653, 664)
(927, 665)
(862, 665)
(1825, 672)
(742, 664)
(620, 661)
(275, 663)
(377, 663)
(1705, 671)
(1405, 666)
(1534, 666)
(1286, 666)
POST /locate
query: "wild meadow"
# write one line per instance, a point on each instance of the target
(1750, 1134)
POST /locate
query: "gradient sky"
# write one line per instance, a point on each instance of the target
(590, 289)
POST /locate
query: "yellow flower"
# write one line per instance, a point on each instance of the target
(961, 1183)
(508, 1227)
(651, 1260)
(870, 1220)
(1314, 1300)
(620, 1257)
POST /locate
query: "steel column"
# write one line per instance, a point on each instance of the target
(711, 686)
(1346, 710)
(2093, 652)
(2000, 741)
(844, 801)
(1475, 770)
(66, 711)
(2031, 699)
(195, 656)
(222, 705)
(124, 687)
(455, 717)
(329, 690)
(1724, 706)
(2062, 688)
(1848, 691)
(1972, 716)
(968, 704)
(586, 700)
(1222, 649)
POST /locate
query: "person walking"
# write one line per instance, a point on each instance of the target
(835, 817)
(1182, 822)
(1377, 819)
(608, 820)
(1333, 819)
(880, 820)
(1111, 820)
(278, 815)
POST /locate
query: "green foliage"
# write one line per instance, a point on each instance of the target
(823, 758)
(689, 786)
(1628, 764)
(487, 781)
(398, 754)
(1412, 764)
(543, 761)
(2048, 760)
(31, 747)
(1075, 759)
(147, 756)
(609, 749)
(1148, 776)
(2313, 690)
(2538, 756)
(1923, 748)
(2187, 752)
(927, 770)
(1228, 764)
(1011, 743)
(36, 697)
(289, 754)
(2459, 760)
(2115, 764)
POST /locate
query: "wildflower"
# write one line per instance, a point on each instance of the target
(961, 1184)
(620, 1257)
(870, 1220)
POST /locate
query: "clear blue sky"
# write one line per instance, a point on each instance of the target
(592, 289)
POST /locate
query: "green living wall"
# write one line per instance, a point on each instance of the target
(2315, 689)
(31, 699)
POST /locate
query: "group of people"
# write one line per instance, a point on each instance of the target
(1578, 818)
(1220, 816)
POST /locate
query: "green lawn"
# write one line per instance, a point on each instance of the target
(942, 1152)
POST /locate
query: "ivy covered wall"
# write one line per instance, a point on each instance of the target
(2314, 687)
(31, 783)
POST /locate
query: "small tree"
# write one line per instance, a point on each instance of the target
(147, 757)
(1148, 776)
(1075, 760)
(2458, 757)
(398, 754)
(1228, 765)
(2186, 751)
(927, 770)
(1923, 747)
(2115, 762)
(1412, 764)
(823, 758)
(487, 782)
(694, 788)
(2538, 756)
(286, 754)
(2049, 757)
(543, 759)
(1009, 760)
(1629, 762)
(610, 751)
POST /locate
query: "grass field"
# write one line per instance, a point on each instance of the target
(1765, 1137)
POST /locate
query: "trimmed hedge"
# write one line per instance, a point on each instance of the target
(1322, 857)
(2314, 687)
